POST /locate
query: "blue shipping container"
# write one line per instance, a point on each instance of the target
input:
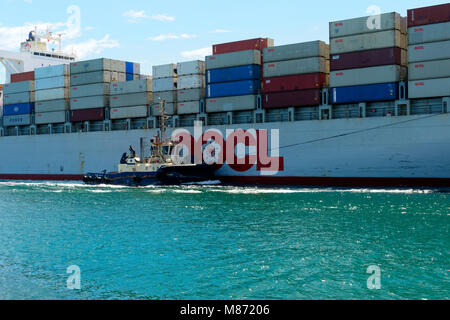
(248, 72)
(18, 109)
(228, 89)
(129, 67)
(366, 93)
(130, 77)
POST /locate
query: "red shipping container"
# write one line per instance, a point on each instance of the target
(97, 114)
(365, 59)
(24, 76)
(252, 44)
(288, 99)
(295, 83)
(429, 15)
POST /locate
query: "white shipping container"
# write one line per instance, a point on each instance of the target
(164, 84)
(429, 88)
(135, 86)
(118, 77)
(60, 70)
(89, 102)
(23, 97)
(20, 120)
(167, 96)
(369, 24)
(132, 99)
(53, 94)
(429, 70)
(191, 82)
(363, 76)
(191, 95)
(165, 71)
(95, 89)
(228, 104)
(369, 41)
(50, 117)
(191, 67)
(90, 66)
(429, 33)
(294, 67)
(52, 106)
(189, 107)
(170, 109)
(297, 51)
(91, 77)
(429, 51)
(129, 112)
(233, 59)
(18, 87)
(118, 66)
(52, 83)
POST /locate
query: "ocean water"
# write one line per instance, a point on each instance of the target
(218, 242)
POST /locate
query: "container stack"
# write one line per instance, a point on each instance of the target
(191, 87)
(90, 84)
(132, 71)
(165, 89)
(294, 75)
(52, 94)
(368, 58)
(131, 99)
(18, 102)
(429, 52)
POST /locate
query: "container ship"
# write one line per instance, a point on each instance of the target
(371, 108)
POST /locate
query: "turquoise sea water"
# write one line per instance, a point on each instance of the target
(216, 242)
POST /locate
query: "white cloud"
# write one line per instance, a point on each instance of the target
(171, 36)
(91, 46)
(221, 31)
(135, 14)
(197, 54)
(163, 17)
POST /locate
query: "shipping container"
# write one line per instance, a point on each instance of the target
(22, 76)
(18, 87)
(429, 70)
(238, 88)
(343, 28)
(191, 67)
(61, 70)
(50, 117)
(18, 109)
(132, 99)
(21, 120)
(294, 67)
(14, 98)
(236, 46)
(287, 99)
(429, 15)
(429, 33)
(190, 82)
(170, 109)
(369, 41)
(94, 102)
(91, 66)
(52, 83)
(91, 77)
(234, 59)
(429, 88)
(164, 84)
(118, 66)
(118, 77)
(132, 68)
(165, 71)
(365, 93)
(189, 107)
(296, 51)
(167, 96)
(129, 112)
(296, 82)
(250, 72)
(53, 94)
(373, 75)
(229, 104)
(89, 90)
(429, 51)
(97, 114)
(135, 86)
(52, 105)
(191, 95)
(369, 58)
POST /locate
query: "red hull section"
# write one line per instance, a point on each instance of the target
(365, 59)
(24, 76)
(295, 83)
(97, 114)
(252, 44)
(292, 99)
(429, 15)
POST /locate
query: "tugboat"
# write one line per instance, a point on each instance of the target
(158, 169)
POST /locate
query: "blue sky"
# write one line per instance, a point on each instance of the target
(158, 32)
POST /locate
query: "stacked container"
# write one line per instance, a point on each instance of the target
(294, 75)
(367, 59)
(18, 103)
(165, 89)
(52, 94)
(191, 87)
(132, 71)
(429, 51)
(131, 99)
